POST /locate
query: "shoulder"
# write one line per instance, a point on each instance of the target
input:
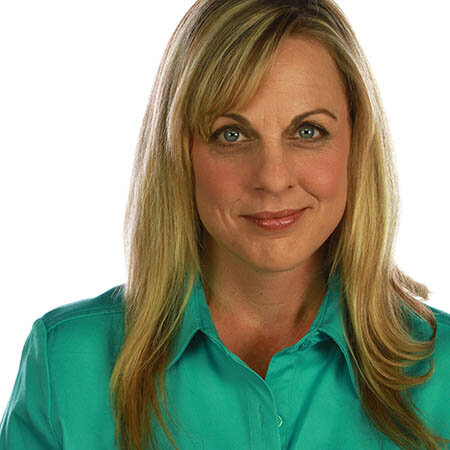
(443, 332)
(441, 351)
(109, 302)
(430, 396)
(422, 330)
(442, 317)
(91, 324)
(64, 374)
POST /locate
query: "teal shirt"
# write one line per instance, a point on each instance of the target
(308, 399)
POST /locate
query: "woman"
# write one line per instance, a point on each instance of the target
(263, 307)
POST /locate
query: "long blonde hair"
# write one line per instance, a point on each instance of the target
(213, 63)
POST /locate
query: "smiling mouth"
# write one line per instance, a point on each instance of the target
(267, 215)
(276, 224)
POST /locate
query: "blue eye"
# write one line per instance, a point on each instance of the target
(311, 131)
(231, 135)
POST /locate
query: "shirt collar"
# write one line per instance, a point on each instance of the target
(326, 324)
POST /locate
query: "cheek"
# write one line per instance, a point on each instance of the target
(330, 171)
(216, 184)
(327, 179)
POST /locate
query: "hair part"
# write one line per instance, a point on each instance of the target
(215, 62)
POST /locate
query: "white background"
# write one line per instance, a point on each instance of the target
(74, 84)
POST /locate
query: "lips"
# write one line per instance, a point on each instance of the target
(273, 214)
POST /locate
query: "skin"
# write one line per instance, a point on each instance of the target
(265, 285)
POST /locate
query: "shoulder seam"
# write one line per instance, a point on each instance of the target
(443, 323)
(79, 316)
(442, 317)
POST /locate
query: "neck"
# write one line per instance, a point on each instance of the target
(272, 303)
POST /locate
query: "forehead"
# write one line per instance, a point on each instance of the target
(302, 75)
(303, 70)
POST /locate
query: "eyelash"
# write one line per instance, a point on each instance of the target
(214, 137)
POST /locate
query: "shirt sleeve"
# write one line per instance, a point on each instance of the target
(27, 422)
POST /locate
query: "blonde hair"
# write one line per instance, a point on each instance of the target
(214, 62)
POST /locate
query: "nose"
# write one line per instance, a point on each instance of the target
(274, 169)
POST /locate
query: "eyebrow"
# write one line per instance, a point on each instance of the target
(294, 122)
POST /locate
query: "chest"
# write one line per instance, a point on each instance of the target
(254, 346)
(257, 350)
(258, 363)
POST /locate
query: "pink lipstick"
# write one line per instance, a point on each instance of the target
(275, 223)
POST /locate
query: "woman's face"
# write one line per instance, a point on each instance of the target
(259, 162)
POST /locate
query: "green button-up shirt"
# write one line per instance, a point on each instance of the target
(308, 399)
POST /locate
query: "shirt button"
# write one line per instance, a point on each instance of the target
(280, 421)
